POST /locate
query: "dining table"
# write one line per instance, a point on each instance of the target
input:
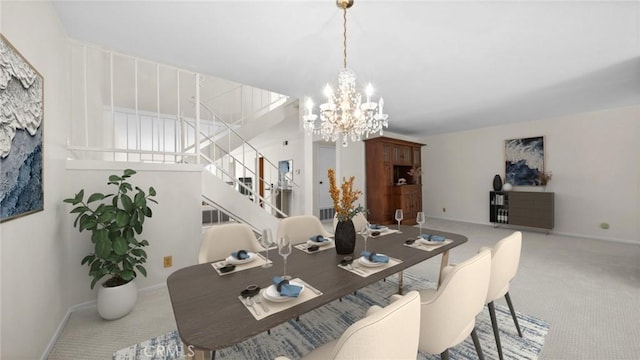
(210, 314)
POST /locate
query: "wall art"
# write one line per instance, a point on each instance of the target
(524, 161)
(21, 136)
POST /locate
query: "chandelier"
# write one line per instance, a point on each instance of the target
(344, 115)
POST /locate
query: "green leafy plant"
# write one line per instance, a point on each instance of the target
(114, 220)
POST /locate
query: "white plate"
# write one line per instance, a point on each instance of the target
(381, 228)
(365, 262)
(311, 243)
(234, 261)
(271, 293)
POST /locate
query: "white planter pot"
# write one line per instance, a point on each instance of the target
(116, 302)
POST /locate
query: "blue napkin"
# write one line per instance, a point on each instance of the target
(373, 257)
(318, 238)
(375, 226)
(433, 237)
(240, 254)
(287, 289)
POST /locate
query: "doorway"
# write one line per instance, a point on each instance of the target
(325, 159)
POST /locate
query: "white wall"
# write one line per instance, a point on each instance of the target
(276, 151)
(350, 161)
(32, 265)
(40, 272)
(174, 229)
(594, 157)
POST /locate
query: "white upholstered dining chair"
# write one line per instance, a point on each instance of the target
(448, 314)
(219, 241)
(505, 258)
(384, 333)
(300, 228)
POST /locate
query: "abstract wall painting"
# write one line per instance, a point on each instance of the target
(21, 122)
(524, 161)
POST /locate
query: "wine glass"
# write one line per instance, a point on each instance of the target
(284, 249)
(365, 231)
(266, 241)
(399, 217)
(420, 220)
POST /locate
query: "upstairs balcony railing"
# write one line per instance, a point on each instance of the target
(139, 111)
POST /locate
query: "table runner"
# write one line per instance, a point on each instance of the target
(303, 247)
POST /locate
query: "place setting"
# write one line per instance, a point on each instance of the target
(240, 260)
(283, 292)
(316, 244)
(369, 262)
(426, 242)
(381, 230)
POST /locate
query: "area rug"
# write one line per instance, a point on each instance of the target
(296, 338)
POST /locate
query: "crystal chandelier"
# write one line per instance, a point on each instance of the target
(344, 115)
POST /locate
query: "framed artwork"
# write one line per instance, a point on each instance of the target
(524, 161)
(285, 173)
(21, 121)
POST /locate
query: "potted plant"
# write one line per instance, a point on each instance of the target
(114, 221)
(345, 232)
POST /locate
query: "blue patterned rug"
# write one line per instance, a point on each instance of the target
(295, 339)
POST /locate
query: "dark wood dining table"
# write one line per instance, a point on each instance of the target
(209, 316)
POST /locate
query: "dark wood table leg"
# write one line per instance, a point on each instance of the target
(400, 282)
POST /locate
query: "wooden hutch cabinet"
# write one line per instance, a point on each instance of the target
(388, 160)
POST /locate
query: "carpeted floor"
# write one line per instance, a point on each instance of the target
(589, 290)
(295, 339)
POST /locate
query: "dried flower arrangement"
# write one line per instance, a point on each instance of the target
(415, 173)
(344, 207)
(544, 177)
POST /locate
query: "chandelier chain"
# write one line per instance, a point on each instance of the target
(346, 114)
(344, 34)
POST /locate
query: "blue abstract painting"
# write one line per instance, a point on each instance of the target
(524, 161)
(21, 116)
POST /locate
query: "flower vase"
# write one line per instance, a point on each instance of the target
(497, 183)
(345, 237)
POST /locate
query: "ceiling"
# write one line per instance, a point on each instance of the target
(441, 66)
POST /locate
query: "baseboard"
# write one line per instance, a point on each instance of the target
(82, 306)
(56, 335)
(615, 240)
(552, 232)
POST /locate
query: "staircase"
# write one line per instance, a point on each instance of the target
(210, 132)
(222, 182)
(236, 205)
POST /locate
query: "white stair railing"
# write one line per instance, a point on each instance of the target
(135, 110)
(220, 162)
